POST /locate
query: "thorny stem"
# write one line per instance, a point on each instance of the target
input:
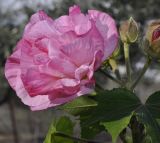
(74, 138)
(147, 64)
(127, 61)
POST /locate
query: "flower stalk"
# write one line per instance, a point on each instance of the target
(80, 140)
(111, 77)
(146, 65)
(127, 62)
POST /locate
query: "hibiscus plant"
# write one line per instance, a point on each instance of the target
(54, 65)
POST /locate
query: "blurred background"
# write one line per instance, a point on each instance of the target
(17, 123)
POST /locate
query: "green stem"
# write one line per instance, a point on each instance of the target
(147, 64)
(127, 61)
(118, 75)
(99, 86)
(111, 77)
(123, 136)
(74, 138)
(137, 130)
(114, 65)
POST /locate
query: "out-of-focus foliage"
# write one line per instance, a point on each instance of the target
(122, 9)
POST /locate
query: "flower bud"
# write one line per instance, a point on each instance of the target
(116, 52)
(129, 31)
(108, 62)
(153, 38)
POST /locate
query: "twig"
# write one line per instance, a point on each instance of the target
(143, 71)
(127, 61)
(74, 138)
(111, 77)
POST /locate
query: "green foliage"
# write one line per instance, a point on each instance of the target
(114, 111)
(91, 131)
(78, 105)
(110, 110)
(63, 125)
(113, 105)
(153, 104)
(116, 127)
(148, 114)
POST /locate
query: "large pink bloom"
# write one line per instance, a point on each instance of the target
(55, 60)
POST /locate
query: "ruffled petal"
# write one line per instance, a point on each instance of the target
(82, 24)
(12, 68)
(81, 49)
(76, 21)
(63, 24)
(81, 72)
(59, 101)
(40, 25)
(39, 84)
(13, 75)
(63, 66)
(73, 10)
(107, 28)
(38, 100)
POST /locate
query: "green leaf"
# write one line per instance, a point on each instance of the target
(116, 127)
(113, 105)
(91, 131)
(148, 114)
(150, 123)
(78, 105)
(114, 111)
(153, 104)
(64, 125)
(51, 131)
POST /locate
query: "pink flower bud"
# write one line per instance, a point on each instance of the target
(153, 38)
(156, 34)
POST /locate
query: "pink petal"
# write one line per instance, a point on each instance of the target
(40, 25)
(82, 24)
(60, 101)
(74, 10)
(70, 87)
(63, 24)
(107, 27)
(13, 72)
(38, 100)
(27, 56)
(63, 66)
(81, 72)
(81, 49)
(58, 67)
(76, 21)
(39, 84)
(12, 68)
(55, 102)
(42, 44)
(39, 16)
